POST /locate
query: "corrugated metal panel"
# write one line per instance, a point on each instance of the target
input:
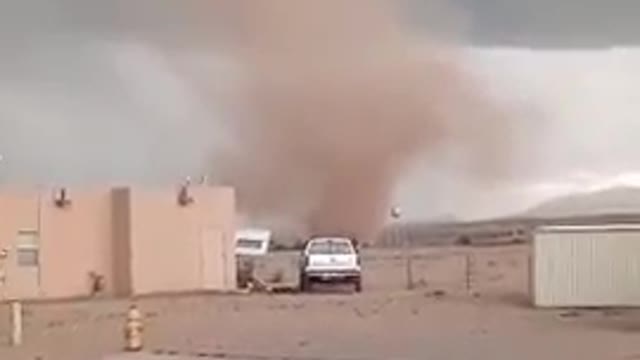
(587, 266)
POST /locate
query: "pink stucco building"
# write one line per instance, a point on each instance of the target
(140, 241)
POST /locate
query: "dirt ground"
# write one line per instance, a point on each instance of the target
(451, 313)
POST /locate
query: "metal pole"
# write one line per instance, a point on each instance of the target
(16, 323)
(408, 260)
(470, 263)
(396, 213)
(530, 280)
(467, 272)
(4, 253)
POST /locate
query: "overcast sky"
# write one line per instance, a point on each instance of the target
(86, 95)
(583, 134)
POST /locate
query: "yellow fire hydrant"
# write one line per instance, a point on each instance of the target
(134, 329)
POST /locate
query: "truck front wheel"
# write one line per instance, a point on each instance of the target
(357, 284)
(305, 283)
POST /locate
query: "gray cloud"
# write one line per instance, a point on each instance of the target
(99, 90)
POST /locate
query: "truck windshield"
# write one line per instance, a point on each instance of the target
(333, 247)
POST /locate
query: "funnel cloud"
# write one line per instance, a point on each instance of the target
(337, 99)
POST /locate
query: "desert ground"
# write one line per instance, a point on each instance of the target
(451, 313)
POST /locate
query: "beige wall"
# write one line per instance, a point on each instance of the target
(18, 211)
(76, 239)
(140, 240)
(177, 248)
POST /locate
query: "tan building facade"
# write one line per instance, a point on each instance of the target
(138, 241)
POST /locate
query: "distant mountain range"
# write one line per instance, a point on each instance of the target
(611, 205)
(611, 201)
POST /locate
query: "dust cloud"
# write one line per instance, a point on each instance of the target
(337, 98)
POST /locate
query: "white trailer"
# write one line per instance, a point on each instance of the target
(252, 241)
(586, 266)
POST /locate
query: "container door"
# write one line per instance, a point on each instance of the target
(213, 259)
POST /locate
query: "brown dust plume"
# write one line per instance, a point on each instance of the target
(336, 100)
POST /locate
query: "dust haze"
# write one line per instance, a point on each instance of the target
(337, 99)
(312, 109)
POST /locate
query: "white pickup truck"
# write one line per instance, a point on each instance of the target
(330, 260)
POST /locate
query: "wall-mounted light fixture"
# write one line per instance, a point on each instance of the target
(184, 195)
(61, 198)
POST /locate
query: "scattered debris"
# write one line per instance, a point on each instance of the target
(439, 293)
(569, 314)
(421, 283)
(259, 285)
(277, 277)
(358, 312)
(55, 323)
(282, 289)
(611, 312)
(274, 285)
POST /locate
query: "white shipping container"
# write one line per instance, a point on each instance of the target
(586, 266)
